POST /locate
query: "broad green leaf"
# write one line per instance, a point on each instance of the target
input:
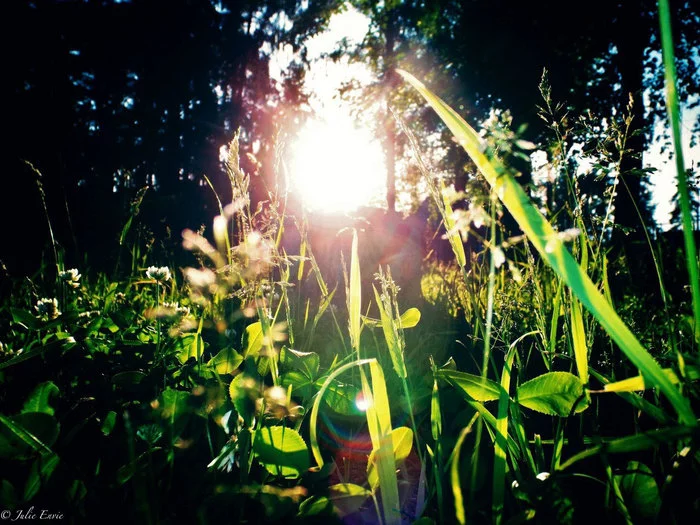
(244, 391)
(25, 318)
(640, 491)
(282, 451)
(38, 400)
(552, 250)
(554, 394)
(108, 423)
(140, 464)
(174, 403)
(226, 362)
(315, 506)
(348, 497)
(340, 397)
(128, 379)
(24, 356)
(402, 442)
(301, 385)
(306, 362)
(475, 387)
(449, 364)
(192, 345)
(253, 339)
(410, 318)
(8, 495)
(39, 474)
(24, 435)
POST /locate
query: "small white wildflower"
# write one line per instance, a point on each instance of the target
(479, 216)
(203, 279)
(47, 308)
(177, 309)
(567, 235)
(161, 274)
(515, 271)
(498, 256)
(70, 277)
(542, 476)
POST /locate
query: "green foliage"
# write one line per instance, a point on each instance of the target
(555, 394)
(282, 451)
(240, 389)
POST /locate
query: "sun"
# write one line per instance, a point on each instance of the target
(336, 167)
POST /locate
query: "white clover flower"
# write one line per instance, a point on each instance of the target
(47, 308)
(161, 274)
(70, 277)
(177, 309)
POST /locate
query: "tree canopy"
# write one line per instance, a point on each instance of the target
(110, 96)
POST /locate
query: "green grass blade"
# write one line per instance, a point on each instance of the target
(379, 424)
(390, 335)
(499, 450)
(381, 435)
(453, 235)
(355, 296)
(634, 443)
(551, 248)
(673, 108)
(454, 478)
(578, 338)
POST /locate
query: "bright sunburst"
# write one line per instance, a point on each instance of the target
(336, 167)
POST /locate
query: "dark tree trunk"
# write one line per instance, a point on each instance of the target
(631, 44)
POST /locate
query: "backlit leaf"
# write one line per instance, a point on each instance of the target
(554, 394)
(282, 451)
(475, 387)
(38, 400)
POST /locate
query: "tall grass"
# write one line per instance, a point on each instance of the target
(673, 108)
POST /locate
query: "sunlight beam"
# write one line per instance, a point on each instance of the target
(337, 167)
